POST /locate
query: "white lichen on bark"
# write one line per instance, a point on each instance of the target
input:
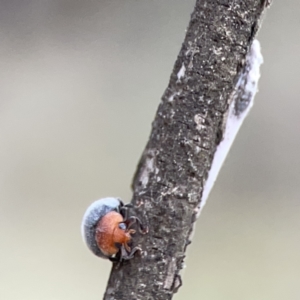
(240, 104)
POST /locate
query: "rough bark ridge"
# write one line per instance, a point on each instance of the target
(170, 177)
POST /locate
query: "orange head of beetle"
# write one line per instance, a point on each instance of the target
(112, 233)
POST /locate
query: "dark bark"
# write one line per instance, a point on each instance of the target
(168, 184)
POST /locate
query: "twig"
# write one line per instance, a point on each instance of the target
(211, 89)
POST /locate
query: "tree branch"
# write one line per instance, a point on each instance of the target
(210, 91)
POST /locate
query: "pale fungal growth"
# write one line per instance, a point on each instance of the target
(171, 98)
(106, 229)
(149, 169)
(146, 173)
(181, 72)
(240, 103)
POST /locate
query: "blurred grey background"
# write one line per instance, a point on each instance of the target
(80, 84)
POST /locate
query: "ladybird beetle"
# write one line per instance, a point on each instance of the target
(106, 229)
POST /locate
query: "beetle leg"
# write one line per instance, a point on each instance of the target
(132, 220)
(124, 210)
(127, 247)
(131, 231)
(132, 253)
(124, 255)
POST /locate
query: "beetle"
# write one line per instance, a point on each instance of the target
(106, 229)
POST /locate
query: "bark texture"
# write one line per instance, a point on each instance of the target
(170, 177)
